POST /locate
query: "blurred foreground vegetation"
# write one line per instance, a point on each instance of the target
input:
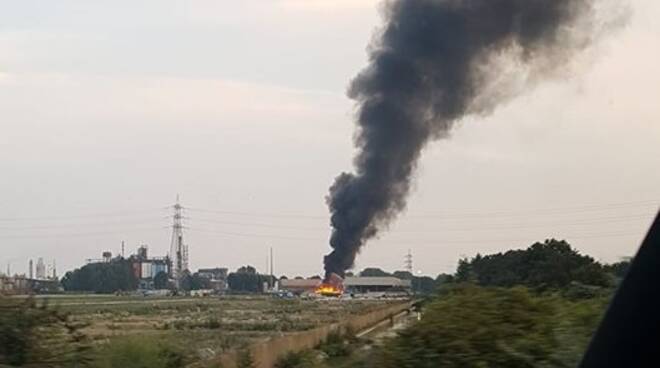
(534, 307)
(473, 326)
(468, 325)
(35, 335)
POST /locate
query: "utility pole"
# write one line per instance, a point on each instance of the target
(122, 249)
(271, 280)
(272, 273)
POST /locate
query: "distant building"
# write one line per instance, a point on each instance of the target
(356, 285)
(145, 269)
(217, 277)
(352, 285)
(21, 285)
(299, 286)
(142, 252)
(218, 273)
(40, 269)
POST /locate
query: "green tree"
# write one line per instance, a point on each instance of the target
(186, 281)
(247, 269)
(403, 275)
(374, 272)
(444, 278)
(161, 280)
(105, 277)
(619, 269)
(423, 284)
(552, 264)
(198, 282)
(464, 271)
(246, 279)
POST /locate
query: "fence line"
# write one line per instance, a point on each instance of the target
(266, 353)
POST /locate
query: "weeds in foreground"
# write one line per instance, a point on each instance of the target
(140, 352)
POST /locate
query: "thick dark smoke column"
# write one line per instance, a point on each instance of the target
(434, 63)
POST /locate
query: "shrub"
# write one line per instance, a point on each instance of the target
(245, 359)
(470, 326)
(303, 359)
(139, 352)
(335, 345)
(37, 335)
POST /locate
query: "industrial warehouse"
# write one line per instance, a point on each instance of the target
(352, 285)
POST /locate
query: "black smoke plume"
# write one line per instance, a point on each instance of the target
(433, 63)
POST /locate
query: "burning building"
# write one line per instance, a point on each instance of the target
(299, 286)
(333, 285)
(365, 285)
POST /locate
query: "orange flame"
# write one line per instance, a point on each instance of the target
(328, 290)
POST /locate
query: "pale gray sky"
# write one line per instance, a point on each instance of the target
(109, 109)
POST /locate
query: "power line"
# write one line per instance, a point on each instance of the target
(77, 225)
(458, 215)
(253, 235)
(552, 210)
(515, 225)
(264, 225)
(415, 241)
(84, 234)
(260, 214)
(449, 242)
(93, 215)
(518, 225)
(324, 231)
(449, 213)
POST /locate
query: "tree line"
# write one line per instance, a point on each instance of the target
(551, 264)
(107, 277)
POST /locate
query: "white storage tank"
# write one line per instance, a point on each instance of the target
(146, 270)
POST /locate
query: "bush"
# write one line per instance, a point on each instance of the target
(303, 359)
(551, 265)
(335, 345)
(139, 352)
(245, 359)
(36, 335)
(470, 326)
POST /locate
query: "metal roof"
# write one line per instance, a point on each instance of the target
(298, 283)
(376, 281)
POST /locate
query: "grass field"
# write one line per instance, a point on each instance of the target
(202, 327)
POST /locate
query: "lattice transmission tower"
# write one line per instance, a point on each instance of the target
(408, 262)
(178, 249)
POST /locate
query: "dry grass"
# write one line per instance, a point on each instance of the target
(204, 326)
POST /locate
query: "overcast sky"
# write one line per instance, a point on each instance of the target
(108, 110)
